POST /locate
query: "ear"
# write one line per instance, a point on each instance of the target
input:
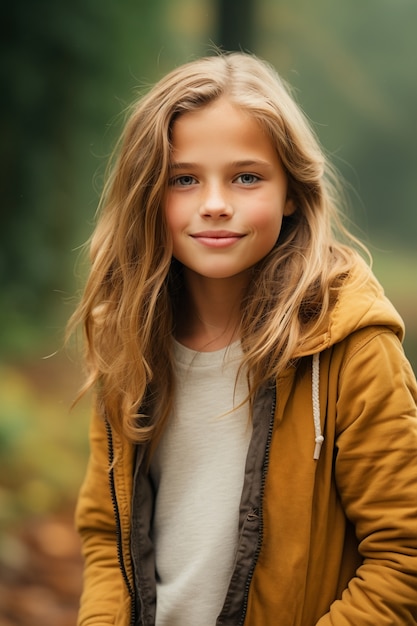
(289, 207)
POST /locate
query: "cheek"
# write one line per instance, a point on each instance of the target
(268, 226)
(172, 215)
(268, 221)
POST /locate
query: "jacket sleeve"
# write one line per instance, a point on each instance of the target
(95, 522)
(376, 475)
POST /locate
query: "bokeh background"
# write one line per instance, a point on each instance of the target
(69, 68)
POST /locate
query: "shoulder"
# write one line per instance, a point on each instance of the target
(372, 380)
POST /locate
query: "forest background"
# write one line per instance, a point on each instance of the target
(69, 69)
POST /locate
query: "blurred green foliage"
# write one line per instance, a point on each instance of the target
(68, 70)
(353, 65)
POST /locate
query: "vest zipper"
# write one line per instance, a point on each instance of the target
(261, 520)
(118, 525)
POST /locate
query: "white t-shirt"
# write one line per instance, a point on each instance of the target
(198, 472)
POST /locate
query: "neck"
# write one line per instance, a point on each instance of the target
(210, 313)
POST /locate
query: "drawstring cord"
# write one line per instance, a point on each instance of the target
(315, 375)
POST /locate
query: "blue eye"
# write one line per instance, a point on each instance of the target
(247, 179)
(183, 181)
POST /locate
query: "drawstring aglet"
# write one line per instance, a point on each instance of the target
(319, 440)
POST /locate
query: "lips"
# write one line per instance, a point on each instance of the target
(217, 238)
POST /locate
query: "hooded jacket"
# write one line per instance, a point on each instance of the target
(328, 514)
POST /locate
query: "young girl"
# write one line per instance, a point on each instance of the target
(254, 439)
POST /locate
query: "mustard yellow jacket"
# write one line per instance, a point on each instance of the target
(328, 519)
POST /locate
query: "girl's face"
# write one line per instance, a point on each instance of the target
(227, 192)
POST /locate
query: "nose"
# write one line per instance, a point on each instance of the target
(215, 203)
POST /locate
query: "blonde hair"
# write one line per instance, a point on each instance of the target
(129, 303)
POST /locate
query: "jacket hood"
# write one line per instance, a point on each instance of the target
(361, 302)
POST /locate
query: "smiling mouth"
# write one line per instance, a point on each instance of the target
(217, 234)
(217, 239)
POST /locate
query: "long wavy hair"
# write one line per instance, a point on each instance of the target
(128, 308)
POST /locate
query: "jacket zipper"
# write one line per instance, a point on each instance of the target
(261, 521)
(118, 525)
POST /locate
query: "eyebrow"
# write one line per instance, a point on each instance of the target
(237, 164)
(181, 166)
(251, 163)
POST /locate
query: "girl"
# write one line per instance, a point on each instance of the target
(254, 439)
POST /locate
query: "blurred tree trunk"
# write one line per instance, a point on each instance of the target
(236, 25)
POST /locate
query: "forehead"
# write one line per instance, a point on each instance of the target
(213, 114)
(219, 128)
